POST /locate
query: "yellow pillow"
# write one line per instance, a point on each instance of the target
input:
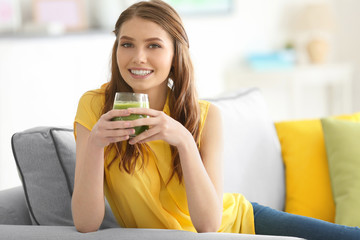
(308, 187)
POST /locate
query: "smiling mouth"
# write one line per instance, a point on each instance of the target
(140, 72)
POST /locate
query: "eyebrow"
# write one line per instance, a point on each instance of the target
(146, 40)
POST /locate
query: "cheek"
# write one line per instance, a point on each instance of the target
(121, 64)
(121, 61)
(166, 61)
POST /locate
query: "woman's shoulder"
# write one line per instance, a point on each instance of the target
(95, 92)
(91, 103)
(97, 95)
(206, 107)
(209, 114)
(210, 123)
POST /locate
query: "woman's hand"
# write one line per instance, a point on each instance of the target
(106, 131)
(161, 127)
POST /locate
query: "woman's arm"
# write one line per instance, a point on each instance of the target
(88, 205)
(88, 197)
(202, 171)
(203, 175)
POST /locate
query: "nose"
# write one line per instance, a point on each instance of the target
(139, 56)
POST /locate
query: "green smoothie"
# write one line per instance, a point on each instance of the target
(126, 105)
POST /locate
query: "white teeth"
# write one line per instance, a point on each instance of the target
(140, 72)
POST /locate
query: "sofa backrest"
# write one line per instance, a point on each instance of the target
(253, 162)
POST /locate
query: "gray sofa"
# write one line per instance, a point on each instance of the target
(45, 157)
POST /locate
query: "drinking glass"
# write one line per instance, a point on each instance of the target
(125, 100)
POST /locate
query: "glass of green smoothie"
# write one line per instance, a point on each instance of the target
(125, 100)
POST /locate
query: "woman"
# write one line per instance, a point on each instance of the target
(170, 176)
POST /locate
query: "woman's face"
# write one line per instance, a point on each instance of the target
(145, 54)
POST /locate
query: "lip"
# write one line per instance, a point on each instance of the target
(137, 76)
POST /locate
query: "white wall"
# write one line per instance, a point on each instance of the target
(219, 42)
(41, 81)
(347, 37)
(34, 70)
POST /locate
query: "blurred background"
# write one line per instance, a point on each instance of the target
(302, 54)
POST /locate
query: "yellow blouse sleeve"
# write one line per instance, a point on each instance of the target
(89, 109)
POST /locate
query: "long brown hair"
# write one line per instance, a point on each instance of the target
(183, 103)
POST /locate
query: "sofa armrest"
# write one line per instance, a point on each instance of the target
(13, 209)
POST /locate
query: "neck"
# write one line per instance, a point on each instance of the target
(157, 97)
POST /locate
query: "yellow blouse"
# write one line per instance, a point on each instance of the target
(143, 199)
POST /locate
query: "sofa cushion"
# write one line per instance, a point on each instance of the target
(308, 188)
(70, 233)
(13, 208)
(253, 164)
(45, 159)
(342, 142)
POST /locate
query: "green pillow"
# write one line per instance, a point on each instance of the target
(342, 142)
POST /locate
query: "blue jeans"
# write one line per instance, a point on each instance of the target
(269, 221)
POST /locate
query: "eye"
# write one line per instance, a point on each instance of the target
(154, 45)
(126, 45)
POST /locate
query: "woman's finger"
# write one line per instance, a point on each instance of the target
(116, 113)
(118, 124)
(156, 119)
(149, 139)
(144, 111)
(118, 139)
(146, 136)
(142, 122)
(119, 132)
